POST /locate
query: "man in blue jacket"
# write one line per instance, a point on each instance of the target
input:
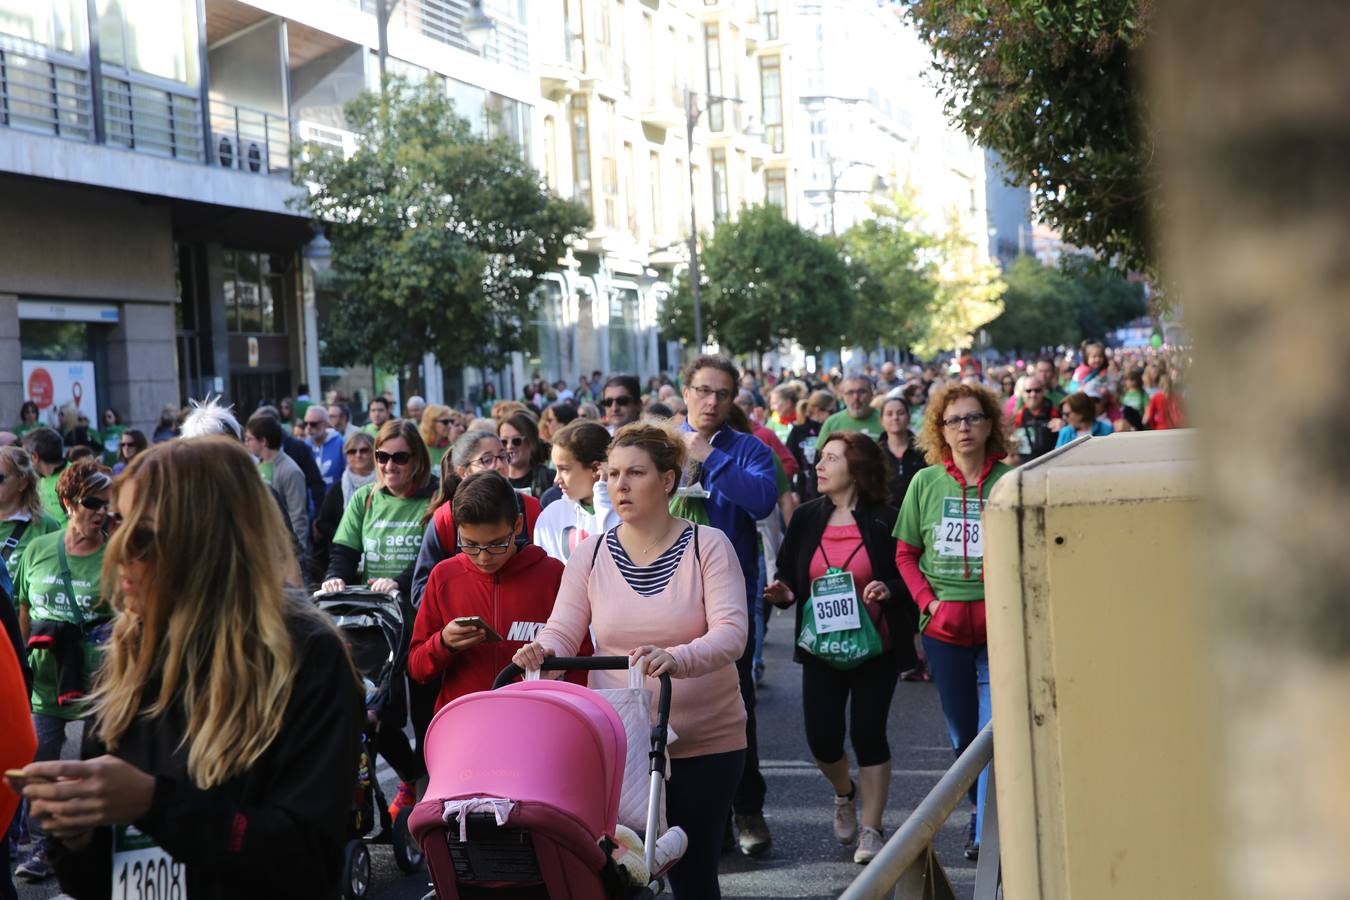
(737, 471)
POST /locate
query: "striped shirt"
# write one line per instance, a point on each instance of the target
(649, 580)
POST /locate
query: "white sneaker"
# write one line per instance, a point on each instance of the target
(869, 845)
(846, 818)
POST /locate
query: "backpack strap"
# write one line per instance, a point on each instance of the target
(698, 557)
(7, 548)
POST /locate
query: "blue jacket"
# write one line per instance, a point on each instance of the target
(739, 473)
(330, 458)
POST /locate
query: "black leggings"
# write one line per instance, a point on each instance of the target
(698, 799)
(826, 689)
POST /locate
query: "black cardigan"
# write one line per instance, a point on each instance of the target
(875, 522)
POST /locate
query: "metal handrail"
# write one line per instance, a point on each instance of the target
(912, 839)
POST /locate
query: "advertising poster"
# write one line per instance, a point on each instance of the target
(53, 384)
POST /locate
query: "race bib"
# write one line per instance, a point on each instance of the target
(834, 600)
(809, 449)
(960, 534)
(141, 869)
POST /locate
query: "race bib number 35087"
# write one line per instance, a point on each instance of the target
(959, 532)
(142, 870)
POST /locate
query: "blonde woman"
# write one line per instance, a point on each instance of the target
(21, 515)
(437, 423)
(226, 718)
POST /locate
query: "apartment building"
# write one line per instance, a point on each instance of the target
(650, 113)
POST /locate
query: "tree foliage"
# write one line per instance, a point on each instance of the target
(1053, 86)
(1050, 306)
(439, 236)
(891, 261)
(968, 296)
(766, 281)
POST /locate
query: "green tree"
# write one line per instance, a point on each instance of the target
(1047, 306)
(968, 294)
(766, 281)
(892, 265)
(439, 236)
(1054, 88)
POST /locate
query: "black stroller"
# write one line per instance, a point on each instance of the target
(373, 625)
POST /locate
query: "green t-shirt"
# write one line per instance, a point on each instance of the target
(40, 587)
(43, 524)
(371, 429)
(437, 454)
(388, 534)
(266, 468)
(842, 421)
(952, 538)
(110, 436)
(50, 504)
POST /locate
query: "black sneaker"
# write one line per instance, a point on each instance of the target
(36, 867)
(753, 832)
(972, 840)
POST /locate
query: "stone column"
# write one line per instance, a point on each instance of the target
(142, 363)
(12, 388)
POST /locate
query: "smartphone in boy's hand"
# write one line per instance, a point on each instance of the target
(478, 622)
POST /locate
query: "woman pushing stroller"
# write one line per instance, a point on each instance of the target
(669, 595)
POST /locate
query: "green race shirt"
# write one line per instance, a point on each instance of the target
(388, 534)
(43, 524)
(842, 421)
(266, 468)
(111, 438)
(40, 588)
(50, 504)
(937, 517)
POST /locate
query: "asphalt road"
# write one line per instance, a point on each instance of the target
(805, 860)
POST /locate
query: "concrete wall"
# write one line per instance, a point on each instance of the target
(11, 370)
(63, 241)
(142, 365)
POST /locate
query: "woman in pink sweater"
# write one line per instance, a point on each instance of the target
(670, 596)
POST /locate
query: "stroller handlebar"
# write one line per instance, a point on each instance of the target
(604, 663)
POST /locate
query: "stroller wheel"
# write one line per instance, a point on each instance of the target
(407, 855)
(355, 871)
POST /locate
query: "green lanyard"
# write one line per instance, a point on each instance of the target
(64, 562)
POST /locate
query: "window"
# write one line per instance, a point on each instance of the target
(623, 321)
(551, 152)
(609, 164)
(256, 290)
(55, 25)
(771, 98)
(504, 117)
(775, 187)
(574, 34)
(768, 18)
(721, 198)
(630, 188)
(153, 37)
(581, 152)
(654, 178)
(712, 46)
(604, 40)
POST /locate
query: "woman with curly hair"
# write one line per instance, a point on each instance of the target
(940, 555)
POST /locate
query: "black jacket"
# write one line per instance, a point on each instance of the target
(805, 481)
(303, 456)
(900, 471)
(277, 830)
(875, 524)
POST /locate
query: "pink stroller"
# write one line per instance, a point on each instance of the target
(536, 770)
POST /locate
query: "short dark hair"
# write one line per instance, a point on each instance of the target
(587, 441)
(629, 383)
(384, 401)
(866, 466)
(485, 498)
(713, 361)
(266, 429)
(344, 409)
(564, 411)
(45, 445)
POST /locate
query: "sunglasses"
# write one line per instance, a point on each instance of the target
(621, 401)
(314, 425)
(401, 458)
(516, 441)
(127, 446)
(94, 503)
(446, 422)
(359, 451)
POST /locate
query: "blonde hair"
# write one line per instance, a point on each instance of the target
(212, 625)
(432, 412)
(934, 441)
(21, 464)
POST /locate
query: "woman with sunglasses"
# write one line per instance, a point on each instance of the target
(528, 471)
(377, 540)
(437, 424)
(226, 725)
(132, 442)
(940, 555)
(64, 638)
(359, 450)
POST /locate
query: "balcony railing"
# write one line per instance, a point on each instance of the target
(152, 119)
(45, 96)
(249, 140)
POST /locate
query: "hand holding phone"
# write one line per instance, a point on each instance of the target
(18, 780)
(480, 623)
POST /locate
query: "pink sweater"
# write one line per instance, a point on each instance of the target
(700, 618)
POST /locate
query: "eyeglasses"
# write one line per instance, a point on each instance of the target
(314, 425)
(127, 445)
(359, 451)
(94, 503)
(516, 441)
(970, 421)
(497, 548)
(401, 458)
(1034, 391)
(857, 392)
(703, 392)
(446, 422)
(621, 401)
(487, 459)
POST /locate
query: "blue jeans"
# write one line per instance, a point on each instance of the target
(962, 678)
(51, 740)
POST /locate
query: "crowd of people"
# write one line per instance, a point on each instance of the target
(662, 523)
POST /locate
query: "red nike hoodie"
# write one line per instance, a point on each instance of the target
(516, 601)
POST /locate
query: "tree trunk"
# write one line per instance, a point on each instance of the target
(1253, 117)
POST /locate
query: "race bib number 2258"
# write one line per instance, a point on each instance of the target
(959, 532)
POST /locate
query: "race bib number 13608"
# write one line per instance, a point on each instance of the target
(142, 870)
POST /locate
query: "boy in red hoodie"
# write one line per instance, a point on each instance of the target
(511, 590)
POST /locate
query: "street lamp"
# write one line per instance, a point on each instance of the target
(319, 251)
(478, 27)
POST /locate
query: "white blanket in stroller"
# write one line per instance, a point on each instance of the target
(500, 807)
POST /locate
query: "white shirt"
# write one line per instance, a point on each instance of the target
(564, 523)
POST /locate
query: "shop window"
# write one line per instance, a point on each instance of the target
(255, 291)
